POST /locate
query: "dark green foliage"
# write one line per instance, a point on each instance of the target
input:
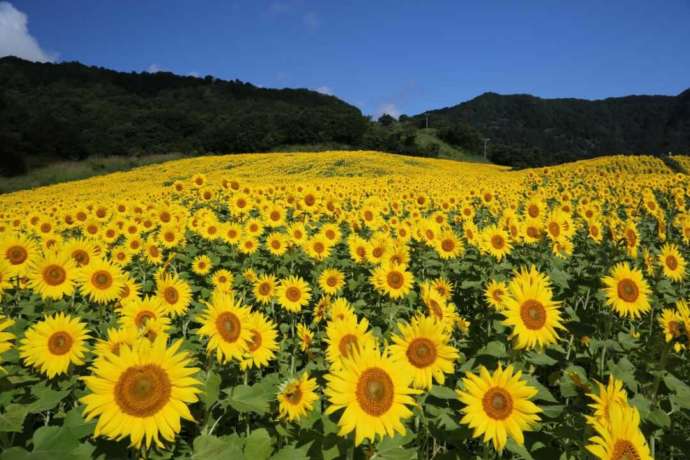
(530, 131)
(69, 111)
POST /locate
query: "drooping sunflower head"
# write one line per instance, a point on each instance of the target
(225, 323)
(498, 405)
(296, 397)
(53, 344)
(627, 291)
(142, 392)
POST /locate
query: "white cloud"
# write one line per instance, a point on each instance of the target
(154, 68)
(388, 108)
(324, 90)
(15, 39)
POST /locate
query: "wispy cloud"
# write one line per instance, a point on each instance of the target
(15, 39)
(388, 108)
(324, 90)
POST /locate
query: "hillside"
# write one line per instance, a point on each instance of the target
(51, 112)
(526, 131)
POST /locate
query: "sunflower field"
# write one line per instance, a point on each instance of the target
(348, 305)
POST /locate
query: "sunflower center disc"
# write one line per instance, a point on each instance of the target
(377, 252)
(143, 317)
(375, 391)
(347, 343)
(60, 343)
(448, 245)
(628, 291)
(674, 328)
(395, 279)
(332, 281)
(255, 341)
(671, 262)
(318, 247)
(228, 326)
(142, 391)
(293, 394)
(421, 352)
(102, 279)
(80, 257)
(264, 289)
(554, 229)
(533, 211)
(293, 294)
(17, 255)
(171, 295)
(624, 450)
(497, 295)
(533, 314)
(497, 403)
(497, 242)
(54, 275)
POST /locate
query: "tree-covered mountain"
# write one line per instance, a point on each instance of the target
(71, 111)
(525, 130)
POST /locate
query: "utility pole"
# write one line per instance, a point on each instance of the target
(486, 141)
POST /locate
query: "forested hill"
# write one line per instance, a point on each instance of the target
(71, 111)
(525, 130)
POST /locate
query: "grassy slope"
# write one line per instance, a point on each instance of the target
(426, 137)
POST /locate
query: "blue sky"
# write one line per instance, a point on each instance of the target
(382, 56)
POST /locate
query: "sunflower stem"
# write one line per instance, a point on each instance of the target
(663, 360)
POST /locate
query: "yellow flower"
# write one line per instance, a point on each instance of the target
(296, 397)
(610, 395)
(53, 276)
(19, 252)
(135, 313)
(262, 344)
(222, 279)
(225, 323)
(495, 242)
(344, 337)
(264, 288)
(621, 438)
(53, 344)
(306, 337)
(175, 293)
(202, 265)
(498, 405)
(293, 293)
(331, 280)
(627, 291)
(393, 280)
(101, 281)
(374, 394)
(672, 262)
(142, 393)
(495, 294)
(5, 337)
(422, 347)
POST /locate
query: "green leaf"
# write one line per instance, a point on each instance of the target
(74, 421)
(543, 393)
(207, 447)
(625, 370)
(571, 378)
(443, 392)
(392, 448)
(15, 453)
(54, 442)
(541, 359)
(659, 418)
(496, 349)
(211, 389)
(258, 445)
(292, 452)
(245, 398)
(12, 419)
(681, 391)
(47, 398)
(517, 449)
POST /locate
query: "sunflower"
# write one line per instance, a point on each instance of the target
(374, 393)
(306, 337)
(19, 252)
(175, 293)
(262, 343)
(448, 245)
(495, 293)
(296, 397)
(5, 275)
(5, 337)
(331, 280)
(498, 405)
(621, 438)
(627, 291)
(358, 248)
(422, 347)
(345, 337)
(81, 251)
(222, 279)
(340, 309)
(293, 293)
(225, 323)
(277, 243)
(531, 310)
(116, 338)
(318, 247)
(142, 393)
(264, 288)
(202, 265)
(610, 395)
(495, 242)
(52, 344)
(53, 276)
(170, 236)
(672, 262)
(393, 280)
(135, 313)
(101, 281)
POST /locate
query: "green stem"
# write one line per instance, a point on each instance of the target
(663, 360)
